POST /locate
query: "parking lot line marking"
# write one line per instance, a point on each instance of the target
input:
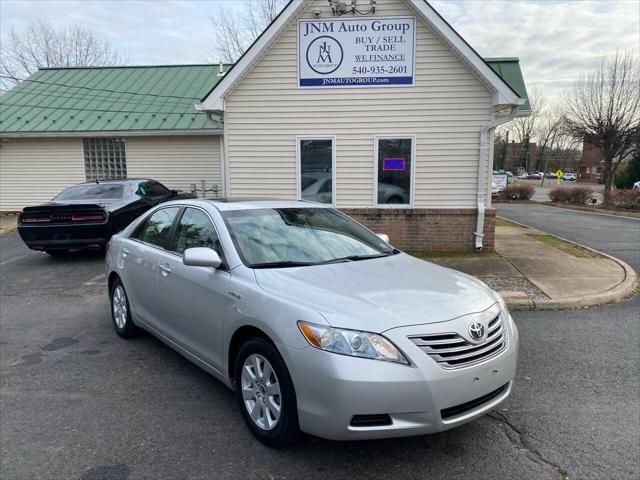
(16, 258)
(99, 280)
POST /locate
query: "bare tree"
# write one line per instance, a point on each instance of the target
(234, 31)
(604, 106)
(523, 130)
(43, 45)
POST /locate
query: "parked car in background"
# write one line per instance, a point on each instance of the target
(84, 216)
(550, 175)
(494, 189)
(534, 176)
(523, 176)
(636, 186)
(569, 176)
(317, 323)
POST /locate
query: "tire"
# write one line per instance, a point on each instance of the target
(261, 394)
(120, 311)
(57, 253)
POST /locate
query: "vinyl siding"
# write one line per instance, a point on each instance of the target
(35, 170)
(176, 161)
(445, 110)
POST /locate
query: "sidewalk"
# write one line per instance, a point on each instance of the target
(534, 270)
(8, 223)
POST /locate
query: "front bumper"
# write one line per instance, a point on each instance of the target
(332, 388)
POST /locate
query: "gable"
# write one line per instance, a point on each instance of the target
(503, 94)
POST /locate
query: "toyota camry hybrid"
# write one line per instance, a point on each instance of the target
(317, 323)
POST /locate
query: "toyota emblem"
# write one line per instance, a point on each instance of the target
(476, 331)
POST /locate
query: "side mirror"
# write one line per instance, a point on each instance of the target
(201, 257)
(383, 236)
(174, 193)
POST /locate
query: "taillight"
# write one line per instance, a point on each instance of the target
(86, 218)
(34, 219)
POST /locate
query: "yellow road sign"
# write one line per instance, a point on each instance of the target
(559, 173)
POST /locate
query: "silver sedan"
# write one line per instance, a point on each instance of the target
(317, 323)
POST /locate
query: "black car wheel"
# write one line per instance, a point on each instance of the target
(265, 393)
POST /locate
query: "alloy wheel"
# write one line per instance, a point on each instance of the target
(261, 392)
(119, 300)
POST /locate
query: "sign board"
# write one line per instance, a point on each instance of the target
(559, 173)
(500, 179)
(356, 52)
(393, 163)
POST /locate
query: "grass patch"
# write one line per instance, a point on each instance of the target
(567, 247)
(503, 222)
(453, 254)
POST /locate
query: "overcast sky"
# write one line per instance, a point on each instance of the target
(555, 40)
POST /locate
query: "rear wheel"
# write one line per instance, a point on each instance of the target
(57, 252)
(265, 393)
(121, 313)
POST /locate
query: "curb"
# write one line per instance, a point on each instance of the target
(619, 292)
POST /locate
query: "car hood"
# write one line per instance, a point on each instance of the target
(379, 294)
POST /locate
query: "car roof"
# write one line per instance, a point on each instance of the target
(253, 204)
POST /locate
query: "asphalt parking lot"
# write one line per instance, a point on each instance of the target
(77, 402)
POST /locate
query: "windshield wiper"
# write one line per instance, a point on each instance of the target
(354, 258)
(282, 264)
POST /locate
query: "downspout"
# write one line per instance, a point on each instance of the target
(479, 232)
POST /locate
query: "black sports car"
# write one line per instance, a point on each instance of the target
(85, 216)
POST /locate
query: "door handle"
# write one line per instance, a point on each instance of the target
(165, 270)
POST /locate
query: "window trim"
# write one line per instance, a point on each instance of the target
(412, 181)
(299, 138)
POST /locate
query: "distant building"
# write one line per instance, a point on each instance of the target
(591, 162)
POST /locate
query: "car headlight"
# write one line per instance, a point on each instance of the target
(351, 342)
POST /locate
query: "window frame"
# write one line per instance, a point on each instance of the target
(300, 138)
(412, 173)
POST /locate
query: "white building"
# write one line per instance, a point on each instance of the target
(387, 115)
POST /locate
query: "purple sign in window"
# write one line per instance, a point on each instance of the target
(395, 163)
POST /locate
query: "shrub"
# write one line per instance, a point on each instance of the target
(629, 199)
(577, 195)
(631, 174)
(560, 194)
(518, 192)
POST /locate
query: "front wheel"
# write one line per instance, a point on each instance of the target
(265, 393)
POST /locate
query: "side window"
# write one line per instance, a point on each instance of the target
(155, 229)
(195, 230)
(394, 165)
(153, 190)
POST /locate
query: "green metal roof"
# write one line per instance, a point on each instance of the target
(135, 99)
(509, 70)
(109, 99)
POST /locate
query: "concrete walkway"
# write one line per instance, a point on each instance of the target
(8, 223)
(538, 271)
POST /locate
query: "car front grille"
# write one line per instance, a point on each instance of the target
(451, 350)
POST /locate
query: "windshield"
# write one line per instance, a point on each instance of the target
(92, 191)
(284, 237)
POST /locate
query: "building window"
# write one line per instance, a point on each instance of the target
(394, 170)
(316, 162)
(104, 158)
